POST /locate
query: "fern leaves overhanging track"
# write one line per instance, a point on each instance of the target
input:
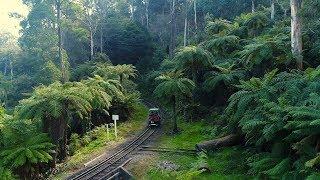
(104, 168)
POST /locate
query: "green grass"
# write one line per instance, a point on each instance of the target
(104, 142)
(226, 163)
(189, 136)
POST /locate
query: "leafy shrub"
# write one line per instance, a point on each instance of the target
(276, 112)
(226, 75)
(254, 22)
(223, 46)
(272, 50)
(218, 26)
(27, 155)
(75, 143)
(6, 174)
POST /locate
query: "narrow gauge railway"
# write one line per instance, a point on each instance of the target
(106, 168)
(168, 150)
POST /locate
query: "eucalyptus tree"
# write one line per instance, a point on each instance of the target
(147, 5)
(195, 14)
(41, 39)
(39, 27)
(186, 9)
(8, 53)
(104, 7)
(253, 6)
(272, 7)
(172, 88)
(296, 32)
(59, 32)
(173, 19)
(91, 20)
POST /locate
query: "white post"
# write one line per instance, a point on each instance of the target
(115, 119)
(115, 129)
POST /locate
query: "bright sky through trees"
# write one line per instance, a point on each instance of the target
(8, 24)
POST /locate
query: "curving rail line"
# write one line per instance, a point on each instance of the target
(106, 168)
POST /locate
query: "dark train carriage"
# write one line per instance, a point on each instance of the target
(154, 118)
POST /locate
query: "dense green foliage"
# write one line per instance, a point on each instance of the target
(172, 89)
(254, 85)
(228, 61)
(273, 117)
(55, 108)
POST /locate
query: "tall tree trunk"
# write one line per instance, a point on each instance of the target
(131, 12)
(173, 29)
(253, 6)
(58, 131)
(296, 34)
(101, 39)
(121, 79)
(147, 14)
(185, 24)
(194, 75)
(91, 45)
(272, 10)
(195, 14)
(62, 141)
(63, 67)
(175, 123)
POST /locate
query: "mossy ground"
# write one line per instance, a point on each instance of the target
(225, 163)
(103, 143)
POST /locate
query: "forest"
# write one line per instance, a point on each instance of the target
(242, 71)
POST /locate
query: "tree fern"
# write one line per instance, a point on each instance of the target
(34, 150)
(193, 59)
(172, 88)
(218, 27)
(228, 76)
(283, 108)
(27, 154)
(6, 174)
(223, 46)
(265, 49)
(53, 105)
(280, 169)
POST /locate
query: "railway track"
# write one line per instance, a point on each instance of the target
(107, 168)
(168, 150)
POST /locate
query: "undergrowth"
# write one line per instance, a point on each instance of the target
(226, 163)
(97, 141)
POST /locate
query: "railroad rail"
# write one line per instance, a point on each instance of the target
(106, 169)
(168, 150)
